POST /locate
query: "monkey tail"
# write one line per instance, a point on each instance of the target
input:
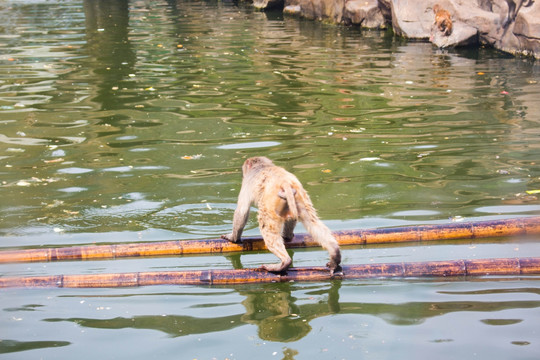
(291, 201)
(320, 233)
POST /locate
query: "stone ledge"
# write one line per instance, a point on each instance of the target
(512, 26)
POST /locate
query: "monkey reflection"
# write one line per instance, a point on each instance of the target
(282, 201)
(273, 309)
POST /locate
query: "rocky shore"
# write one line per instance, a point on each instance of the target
(508, 25)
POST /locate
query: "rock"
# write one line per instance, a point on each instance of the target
(292, 10)
(526, 30)
(268, 4)
(462, 35)
(327, 10)
(412, 19)
(509, 25)
(365, 13)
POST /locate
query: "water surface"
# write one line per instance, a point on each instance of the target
(129, 121)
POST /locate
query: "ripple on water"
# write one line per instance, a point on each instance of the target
(74, 170)
(131, 209)
(249, 145)
(73, 189)
(508, 209)
(199, 218)
(416, 213)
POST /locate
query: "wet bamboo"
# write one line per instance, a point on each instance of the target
(452, 231)
(457, 268)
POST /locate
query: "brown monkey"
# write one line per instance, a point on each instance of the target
(282, 201)
(443, 20)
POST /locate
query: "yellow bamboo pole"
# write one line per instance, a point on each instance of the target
(452, 231)
(456, 268)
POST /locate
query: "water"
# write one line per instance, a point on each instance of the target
(124, 122)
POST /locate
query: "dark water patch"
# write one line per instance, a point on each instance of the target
(13, 346)
(499, 322)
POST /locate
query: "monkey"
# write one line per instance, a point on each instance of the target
(443, 20)
(281, 201)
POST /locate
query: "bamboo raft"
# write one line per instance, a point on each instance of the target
(459, 268)
(421, 233)
(453, 231)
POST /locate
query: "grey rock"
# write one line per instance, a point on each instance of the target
(509, 25)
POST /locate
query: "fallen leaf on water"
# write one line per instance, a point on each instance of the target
(55, 203)
(531, 192)
(327, 171)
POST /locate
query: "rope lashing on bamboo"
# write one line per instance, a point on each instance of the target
(463, 268)
(452, 231)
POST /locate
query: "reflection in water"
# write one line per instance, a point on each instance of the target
(270, 307)
(13, 346)
(274, 310)
(279, 318)
(112, 58)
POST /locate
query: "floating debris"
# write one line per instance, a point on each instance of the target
(53, 161)
(191, 157)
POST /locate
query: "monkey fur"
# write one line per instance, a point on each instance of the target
(443, 20)
(282, 201)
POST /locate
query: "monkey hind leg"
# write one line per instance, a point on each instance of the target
(322, 235)
(274, 243)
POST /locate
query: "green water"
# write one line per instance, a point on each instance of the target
(129, 121)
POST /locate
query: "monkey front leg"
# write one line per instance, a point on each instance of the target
(240, 218)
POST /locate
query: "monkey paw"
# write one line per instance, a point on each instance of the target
(274, 268)
(229, 237)
(335, 270)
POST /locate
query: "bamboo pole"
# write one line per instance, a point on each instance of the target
(452, 231)
(457, 268)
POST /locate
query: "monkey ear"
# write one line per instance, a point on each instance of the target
(247, 165)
